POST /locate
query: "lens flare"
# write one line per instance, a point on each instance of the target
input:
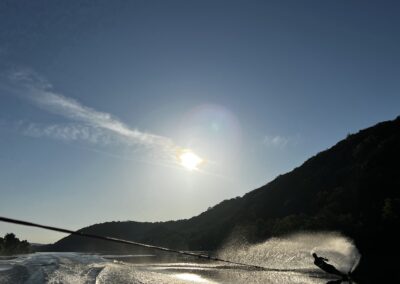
(189, 160)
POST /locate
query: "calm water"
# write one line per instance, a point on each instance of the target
(288, 258)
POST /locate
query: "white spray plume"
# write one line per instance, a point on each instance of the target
(293, 252)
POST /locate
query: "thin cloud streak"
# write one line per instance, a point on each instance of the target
(275, 141)
(281, 142)
(68, 132)
(74, 110)
(90, 125)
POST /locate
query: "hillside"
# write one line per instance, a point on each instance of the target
(353, 187)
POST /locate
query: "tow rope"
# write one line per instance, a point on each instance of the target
(122, 241)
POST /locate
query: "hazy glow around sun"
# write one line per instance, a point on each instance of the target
(189, 160)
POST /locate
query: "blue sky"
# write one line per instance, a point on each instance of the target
(98, 98)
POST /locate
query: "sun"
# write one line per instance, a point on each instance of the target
(189, 160)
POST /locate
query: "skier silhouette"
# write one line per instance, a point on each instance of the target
(321, 263)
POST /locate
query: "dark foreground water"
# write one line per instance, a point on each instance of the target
(289, 260)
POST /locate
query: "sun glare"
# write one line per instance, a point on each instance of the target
(191, 278)
(189, 160)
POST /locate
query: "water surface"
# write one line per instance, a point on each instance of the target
(288, 260)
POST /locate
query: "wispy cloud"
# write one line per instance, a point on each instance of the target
(281, 142)
(68, 132)
(276, 141)
(86, 124)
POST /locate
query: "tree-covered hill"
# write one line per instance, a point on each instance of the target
(353, 187)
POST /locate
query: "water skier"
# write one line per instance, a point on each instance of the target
(321, 262)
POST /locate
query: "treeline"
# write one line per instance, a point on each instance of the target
(10, 244)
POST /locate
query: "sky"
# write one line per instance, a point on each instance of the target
(99, 100)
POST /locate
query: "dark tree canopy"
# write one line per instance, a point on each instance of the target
(10, 244)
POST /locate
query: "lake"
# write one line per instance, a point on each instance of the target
(96, 269)
(287, 260)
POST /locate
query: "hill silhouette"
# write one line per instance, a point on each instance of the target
(353, 187)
